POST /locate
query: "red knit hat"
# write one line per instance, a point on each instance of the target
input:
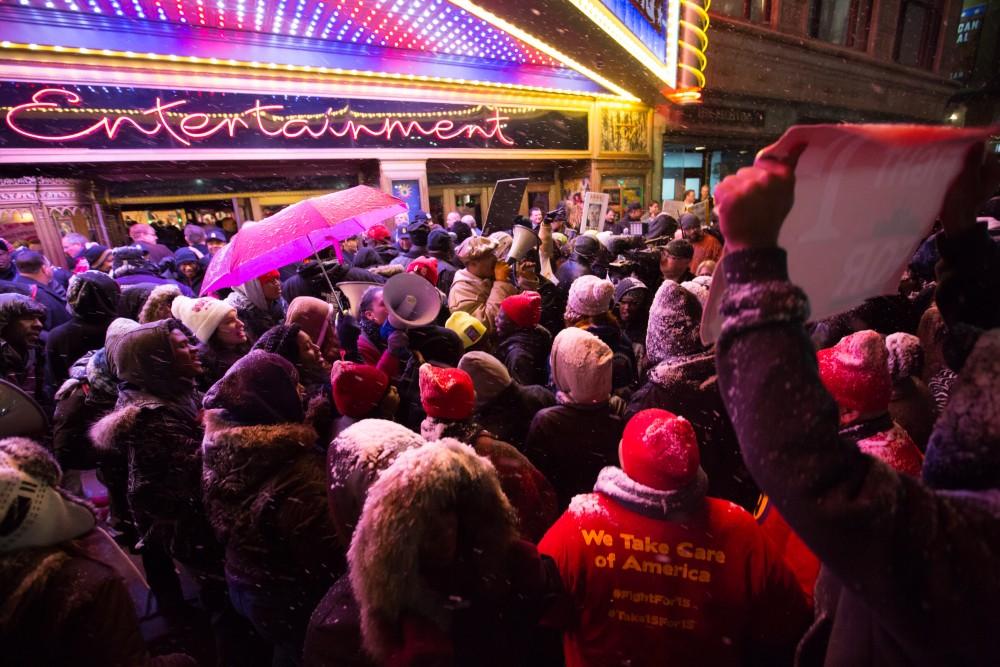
(524, 309)
(357, 388)
(426, 268)
(268, 277)
(660, 450)
(446, 393)
(856, 372)
(378, 233)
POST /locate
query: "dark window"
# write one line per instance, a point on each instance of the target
(758, 11)
(917, 34)
(843, 22)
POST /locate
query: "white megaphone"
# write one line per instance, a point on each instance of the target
(354, 290)
(411, 301)
(525, 240)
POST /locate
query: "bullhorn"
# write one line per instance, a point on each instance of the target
(411, 301)
(525, 240)
(354, 290)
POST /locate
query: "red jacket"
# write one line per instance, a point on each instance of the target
(671, 576)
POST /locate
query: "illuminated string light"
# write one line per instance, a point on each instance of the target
(365, 74)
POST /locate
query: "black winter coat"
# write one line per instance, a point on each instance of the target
(570, 444)
(509, 415)
(525, 353)
(690, 389)
(265, 494)
(162, 441)
(623, 363)
(67, 343)
(916, 568)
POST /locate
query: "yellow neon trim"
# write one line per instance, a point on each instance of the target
(694, 71)
(702, 61)
(544, 47)
(699, 33)
(623, 96)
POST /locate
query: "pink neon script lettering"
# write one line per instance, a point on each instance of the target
(198, 125)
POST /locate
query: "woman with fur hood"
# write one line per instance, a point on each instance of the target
(60, 602)
(156, 425)
(258, 304)
(681, 378)
(572, 441)
(436, 567)
(264, 486)
(355, 459)
(448, 399)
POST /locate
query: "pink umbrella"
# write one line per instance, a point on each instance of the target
(296, 232)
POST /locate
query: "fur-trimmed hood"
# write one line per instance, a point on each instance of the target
(238, 460)
(160, 298)
(408, 500)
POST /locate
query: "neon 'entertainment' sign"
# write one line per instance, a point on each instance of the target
(166, 120)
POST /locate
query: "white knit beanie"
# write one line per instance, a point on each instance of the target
(589, 296)
(202, 316)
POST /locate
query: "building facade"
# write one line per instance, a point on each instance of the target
(777, 63)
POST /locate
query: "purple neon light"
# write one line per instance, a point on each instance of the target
(435, 26)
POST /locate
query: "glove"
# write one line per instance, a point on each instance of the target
(399, 343)
(501, 272)
(527, 275)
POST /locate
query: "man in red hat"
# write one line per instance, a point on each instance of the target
(658, 571)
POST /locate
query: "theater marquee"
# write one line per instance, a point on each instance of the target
(104, 117)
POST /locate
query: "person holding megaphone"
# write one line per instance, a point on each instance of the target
(480, 287)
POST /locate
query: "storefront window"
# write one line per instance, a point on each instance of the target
(842, 22)
(683, 169)
(623, 191)
(917, 34)
(727, 162)
(758, 11)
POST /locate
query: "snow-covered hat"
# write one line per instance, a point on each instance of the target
(906, 356)
(660, 450)
(355, 459)
(589, 296)
(674, 330)
(446, 393)
(856, 372)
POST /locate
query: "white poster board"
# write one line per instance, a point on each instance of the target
(595, 207)
(865, 197)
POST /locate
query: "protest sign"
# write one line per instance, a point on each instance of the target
(865, 197)
(504, 205)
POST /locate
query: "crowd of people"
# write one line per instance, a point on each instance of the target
(555, 470)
